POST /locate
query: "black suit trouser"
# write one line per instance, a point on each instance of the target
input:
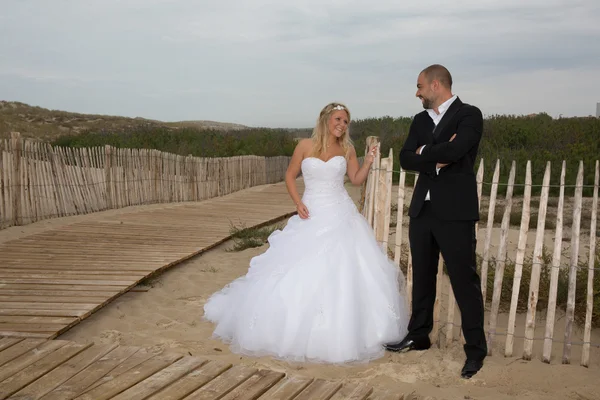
(456, 240)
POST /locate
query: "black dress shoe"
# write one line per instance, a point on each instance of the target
(407, 345)
(470, 368)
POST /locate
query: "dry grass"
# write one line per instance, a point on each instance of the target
(552, 210)
(544, 288)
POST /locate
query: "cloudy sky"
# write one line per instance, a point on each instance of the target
(276, 63)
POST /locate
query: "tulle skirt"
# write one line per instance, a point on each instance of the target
(324, 291)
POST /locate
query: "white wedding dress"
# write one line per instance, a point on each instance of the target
(324, 291)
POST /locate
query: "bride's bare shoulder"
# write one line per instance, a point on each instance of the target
(304, 147)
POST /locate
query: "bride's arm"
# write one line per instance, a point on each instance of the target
(358, 174)
(292, 173)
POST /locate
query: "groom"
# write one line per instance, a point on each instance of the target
(442, 146)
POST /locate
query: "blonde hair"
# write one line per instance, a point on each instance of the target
(320, 132)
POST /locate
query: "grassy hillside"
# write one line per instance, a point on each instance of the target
(45, 124)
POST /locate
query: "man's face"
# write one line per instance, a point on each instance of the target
(426, 91)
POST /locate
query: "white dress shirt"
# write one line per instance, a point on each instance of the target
(437, 117)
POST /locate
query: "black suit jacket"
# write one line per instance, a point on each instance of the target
(453, 192)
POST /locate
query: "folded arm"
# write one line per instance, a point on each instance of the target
(468, 134)
(409, 159)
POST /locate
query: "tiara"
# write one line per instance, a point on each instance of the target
(339, 107)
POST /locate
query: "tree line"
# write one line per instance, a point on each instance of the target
(539, 138)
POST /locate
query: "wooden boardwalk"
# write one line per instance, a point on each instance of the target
(52, 280)
(63, 370)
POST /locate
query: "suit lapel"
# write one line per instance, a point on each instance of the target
(454, 107)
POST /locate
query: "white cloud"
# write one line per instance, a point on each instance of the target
(273, 63)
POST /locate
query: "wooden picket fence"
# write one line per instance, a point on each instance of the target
(40, 181)
(376, 207)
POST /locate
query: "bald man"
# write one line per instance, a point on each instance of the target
(442, 147)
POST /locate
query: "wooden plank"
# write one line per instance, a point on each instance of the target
(130, 261)
(37, 369)
(371, 182)
(62, 373)
(122, 229)
(380, 200)
(58, 295)
(255, 386)
(409, 271)
(554, 273)
(450, 318)
(33, 328)
(536, 266)
(19, 319)
(91, 253)
(435, 332)
(21, 346)
(287, 389)
(151, 250)
(97, 266)
(139, 357)
(78, 277)
(69, 270)
(41, 335)
(43, 311)
(110, 239)
(52, 299)
(488, 231)
(24, 360)
(400, 217)
(30, 305)
(353, 391)
(68, 281)
(110, 388)
(501, 258)
(161, 379)
(7, 342)
(585, 353)
(17, 145)
(62, 288)
(223, 383)
(319, 389)
(42, 255)
(68, 246)
(91, 374)
(575, 238)
(191, 382)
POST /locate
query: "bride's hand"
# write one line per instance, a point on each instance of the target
(302, 210)
(370, 156)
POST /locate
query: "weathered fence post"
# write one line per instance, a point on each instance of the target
(17, 147)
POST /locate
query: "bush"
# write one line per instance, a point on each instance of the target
(197, 142)
(246, 238)
(520, 138)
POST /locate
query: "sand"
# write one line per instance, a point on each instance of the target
(168, 317)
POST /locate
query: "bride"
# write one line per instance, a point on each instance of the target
(324, 291)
